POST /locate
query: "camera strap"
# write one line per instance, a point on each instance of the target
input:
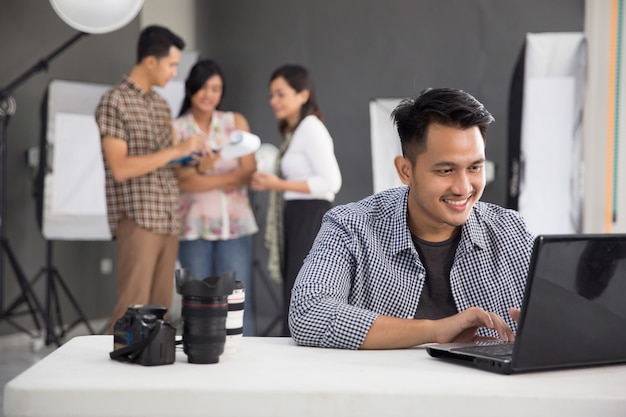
(131, 352)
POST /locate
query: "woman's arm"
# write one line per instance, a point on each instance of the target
(263, 181)
(194, 180)
(325, 176)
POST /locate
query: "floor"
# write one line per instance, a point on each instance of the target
(19, 351)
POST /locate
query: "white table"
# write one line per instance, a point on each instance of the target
(273, 377)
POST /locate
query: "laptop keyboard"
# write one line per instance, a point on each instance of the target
(489, 348)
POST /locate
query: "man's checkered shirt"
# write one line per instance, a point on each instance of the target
(143, 120)
(363, 264)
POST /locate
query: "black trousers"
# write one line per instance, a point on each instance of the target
(301, 222)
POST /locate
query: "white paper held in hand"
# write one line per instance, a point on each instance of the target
(242, 143)
(266, 158)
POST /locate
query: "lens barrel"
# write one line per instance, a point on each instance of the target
(234, 319)
(204, 327)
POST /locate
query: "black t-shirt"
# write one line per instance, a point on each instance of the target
(436, 300)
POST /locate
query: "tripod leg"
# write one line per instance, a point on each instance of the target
(52, 299)
(28, 296)
(69, 295)
(53, 306)
(24, 298)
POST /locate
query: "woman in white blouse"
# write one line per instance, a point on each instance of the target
(306, 178)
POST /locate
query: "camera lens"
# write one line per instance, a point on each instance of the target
(204, 311)
(234, 320)
(204, 327)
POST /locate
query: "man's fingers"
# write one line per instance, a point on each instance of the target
(494, 322)
(484, 338)
(504, 331)
(515, 314)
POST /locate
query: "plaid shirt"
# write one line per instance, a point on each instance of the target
(143, 120)
(363, 264)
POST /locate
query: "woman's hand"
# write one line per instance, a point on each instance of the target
(262, 181)
(206, 161)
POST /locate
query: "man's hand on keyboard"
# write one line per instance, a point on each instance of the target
(462, 327)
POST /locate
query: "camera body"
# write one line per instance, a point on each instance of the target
(142, 336)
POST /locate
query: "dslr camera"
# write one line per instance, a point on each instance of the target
(142, 336)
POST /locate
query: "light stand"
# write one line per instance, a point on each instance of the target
(7, 109)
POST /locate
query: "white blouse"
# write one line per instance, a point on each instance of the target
(311, 157)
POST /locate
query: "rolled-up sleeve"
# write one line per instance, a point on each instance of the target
(321, 314)
(327, 175)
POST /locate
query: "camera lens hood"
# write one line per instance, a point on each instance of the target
(212, 286)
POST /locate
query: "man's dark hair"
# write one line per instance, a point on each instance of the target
(446, 106)
(156, 41)
(198, 76)
(299, 79)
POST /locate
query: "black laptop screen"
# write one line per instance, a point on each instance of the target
(575, 312)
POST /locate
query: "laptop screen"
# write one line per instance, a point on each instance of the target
(575, 306)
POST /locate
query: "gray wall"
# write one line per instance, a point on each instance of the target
(30, 31)
(357, 50)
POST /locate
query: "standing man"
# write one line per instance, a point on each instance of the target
(142, 193)
(427, 262)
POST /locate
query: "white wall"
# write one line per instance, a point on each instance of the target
(178, 16)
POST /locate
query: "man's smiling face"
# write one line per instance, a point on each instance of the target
(445, 181)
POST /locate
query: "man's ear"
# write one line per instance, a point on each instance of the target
(150, 61)
(404, 169)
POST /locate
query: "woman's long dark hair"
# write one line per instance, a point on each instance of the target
(299, 79)
(198, 75)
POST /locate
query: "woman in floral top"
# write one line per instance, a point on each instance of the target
(218, 222)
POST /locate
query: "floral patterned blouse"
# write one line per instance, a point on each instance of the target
(220, 214)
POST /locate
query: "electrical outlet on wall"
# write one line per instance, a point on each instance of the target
(106, 266)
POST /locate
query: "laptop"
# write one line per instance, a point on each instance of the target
(573, 313)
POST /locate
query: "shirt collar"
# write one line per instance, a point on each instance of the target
(471, 234)
(191, 121)
(400, 225)
(188, 117)
(130, 84)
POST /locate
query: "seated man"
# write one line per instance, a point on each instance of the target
(423, 263)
